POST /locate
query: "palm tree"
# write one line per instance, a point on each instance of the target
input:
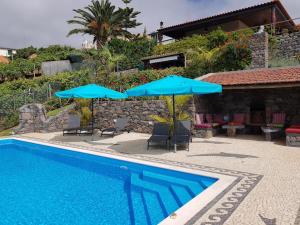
(103, 21)
(181, 114)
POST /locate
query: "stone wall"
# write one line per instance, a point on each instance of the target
(33, 118)
(259, 46)
(288, 45)
(246, 101)
(138, 113)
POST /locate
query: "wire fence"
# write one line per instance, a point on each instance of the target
(12, 102)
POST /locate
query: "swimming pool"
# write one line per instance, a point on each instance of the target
(46, 184)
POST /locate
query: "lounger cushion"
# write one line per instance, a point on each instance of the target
(293, 131)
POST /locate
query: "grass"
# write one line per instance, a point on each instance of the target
(57, 111)
(5, 133)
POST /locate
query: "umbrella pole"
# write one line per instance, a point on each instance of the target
(174, 123)
(92, 119)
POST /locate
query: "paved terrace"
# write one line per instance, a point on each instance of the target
(272, 199)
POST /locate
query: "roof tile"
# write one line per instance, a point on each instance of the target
(256, 76)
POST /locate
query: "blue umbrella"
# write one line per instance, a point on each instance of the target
(174, 85)
(91, 91)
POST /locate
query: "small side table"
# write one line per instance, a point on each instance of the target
(270, 132)
(231, 129)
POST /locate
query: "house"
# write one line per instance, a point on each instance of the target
(164, 61)
(272, 13)
(7, 52)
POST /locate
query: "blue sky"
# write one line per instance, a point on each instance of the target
(43, 22)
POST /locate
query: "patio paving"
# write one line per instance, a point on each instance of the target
(274, 197)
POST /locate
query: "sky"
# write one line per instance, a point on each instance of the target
(43, 22)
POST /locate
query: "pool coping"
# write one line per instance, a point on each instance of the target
(229, 191)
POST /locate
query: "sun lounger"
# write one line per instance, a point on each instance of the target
(120, 125)
(160, 134)
(183, 134)
(73, 125)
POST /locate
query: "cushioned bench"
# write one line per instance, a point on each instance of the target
(293, 135)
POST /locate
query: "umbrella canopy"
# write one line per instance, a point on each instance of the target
(91, 91)
(174, 85)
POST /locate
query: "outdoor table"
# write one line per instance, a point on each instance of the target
(231, 129)
(270, 132)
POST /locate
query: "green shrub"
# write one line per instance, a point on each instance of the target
(132, 50)
(126, 81)
(182, 45)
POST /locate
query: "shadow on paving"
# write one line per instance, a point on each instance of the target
(223, 154)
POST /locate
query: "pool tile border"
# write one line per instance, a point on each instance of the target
(228, 200)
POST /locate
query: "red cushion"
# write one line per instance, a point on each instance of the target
(292, 131)
(203, 126)
(278, 118)
(209, 118)
(239, 118)
(295, 126)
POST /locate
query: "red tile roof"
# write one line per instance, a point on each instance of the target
(273, 2)
(4, 60)
(280, 75)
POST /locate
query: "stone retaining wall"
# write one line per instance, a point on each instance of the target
(33, 118)
(138, 113)
(288, 45)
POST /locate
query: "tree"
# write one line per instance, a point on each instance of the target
(103, 21)
(104, 63)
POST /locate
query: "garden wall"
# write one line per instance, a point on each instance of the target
(33, 116)
(138, 113)
(288, 45)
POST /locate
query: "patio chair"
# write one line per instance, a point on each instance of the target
(218, 119)
(183, 134)
(73, 125)
(160, 135)
(278, 120)
(238, 119)
(120, 125)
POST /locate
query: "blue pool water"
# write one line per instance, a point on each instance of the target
(46, 185)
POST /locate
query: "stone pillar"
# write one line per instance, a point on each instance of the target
(260, 50)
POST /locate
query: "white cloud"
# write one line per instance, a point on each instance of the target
(43, 22)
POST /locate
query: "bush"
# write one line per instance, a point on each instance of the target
(23, 67)
(126, 81)
(214, 52)
(132, 50)
(182, 46)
